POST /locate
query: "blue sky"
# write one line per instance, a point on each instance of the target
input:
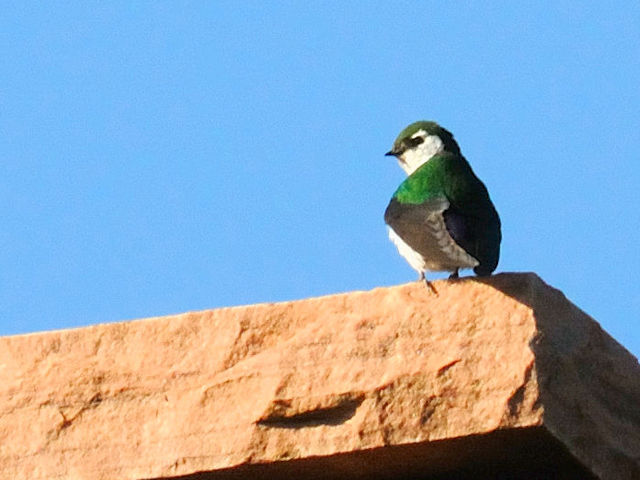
(161, 157)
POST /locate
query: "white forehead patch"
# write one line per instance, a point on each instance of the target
(419, 133)
(412, 159)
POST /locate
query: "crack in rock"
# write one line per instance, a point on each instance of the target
(290, 413)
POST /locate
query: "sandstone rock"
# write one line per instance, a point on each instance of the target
(496, 375)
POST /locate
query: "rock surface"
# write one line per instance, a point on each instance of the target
(380, 384)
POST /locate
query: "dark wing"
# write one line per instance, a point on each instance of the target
(399, 214)
(415, 225)
(479, 237)
(476, 228)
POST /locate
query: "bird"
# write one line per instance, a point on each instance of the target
(441, 218)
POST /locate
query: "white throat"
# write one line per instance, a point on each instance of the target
(412, 159)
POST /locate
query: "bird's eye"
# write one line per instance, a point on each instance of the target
(415, 141)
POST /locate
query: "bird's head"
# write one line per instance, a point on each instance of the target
(420, 141)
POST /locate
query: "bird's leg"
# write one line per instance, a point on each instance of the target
(454, 275)
(423, 278)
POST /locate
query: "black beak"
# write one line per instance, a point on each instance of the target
(391, 153)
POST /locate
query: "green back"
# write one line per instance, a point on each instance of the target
(445, 175)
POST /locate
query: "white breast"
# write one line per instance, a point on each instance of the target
(412, 257)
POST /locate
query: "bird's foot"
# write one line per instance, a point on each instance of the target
(454, 275)
(423, 278)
